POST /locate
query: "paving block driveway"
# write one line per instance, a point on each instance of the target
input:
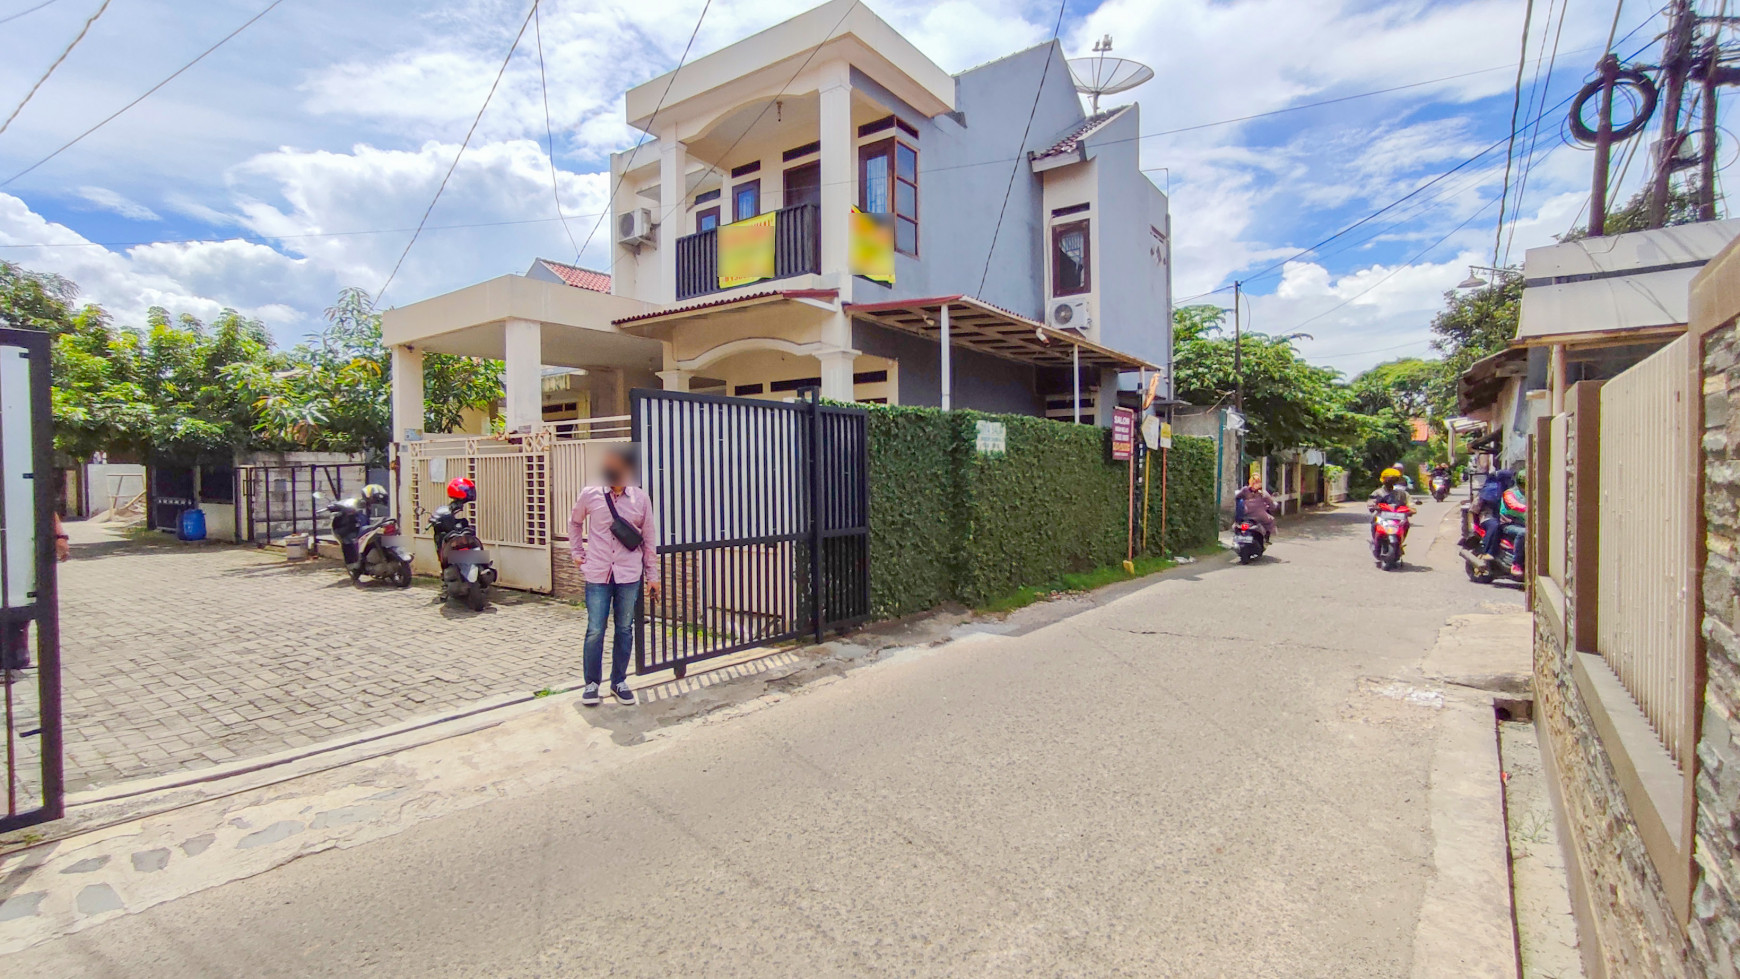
(178, 656)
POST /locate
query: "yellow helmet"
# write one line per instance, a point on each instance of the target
(1389, 474)
(374, 494)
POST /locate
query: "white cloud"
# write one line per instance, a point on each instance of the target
(107, 200)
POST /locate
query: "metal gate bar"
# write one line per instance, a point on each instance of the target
(28, 595)
(763, 512)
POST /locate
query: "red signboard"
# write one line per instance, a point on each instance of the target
(1123, 433)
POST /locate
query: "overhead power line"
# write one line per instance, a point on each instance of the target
(259, 237)
(549, 131)
(1020, 148)
(86, 29)
(1538, 100)
(9, 18)
(652, 121)
(148, 93)
(1522, 59)
(457, 156)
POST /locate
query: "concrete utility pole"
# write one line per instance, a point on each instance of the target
(1609, 71)
(1238, 352)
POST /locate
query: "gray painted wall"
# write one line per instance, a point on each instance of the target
(980, 381)
(1134, 311)
(964, 163)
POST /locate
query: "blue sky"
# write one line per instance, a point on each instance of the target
(331, 122)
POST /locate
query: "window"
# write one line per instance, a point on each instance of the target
(746, 200)
(803, 185)
(706, 220)
(1070, 261)
(707, 195)
(888, 184)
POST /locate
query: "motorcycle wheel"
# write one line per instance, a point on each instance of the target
(402, 574)
(1476, 572)
(474, 599)
(1390, 556)
(1245, 557)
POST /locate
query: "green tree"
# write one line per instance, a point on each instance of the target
(1412, 386)
(1477, 324)
(1287, 402)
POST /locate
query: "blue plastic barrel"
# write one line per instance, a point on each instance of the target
(192, 524)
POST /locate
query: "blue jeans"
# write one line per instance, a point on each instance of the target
(601, 601)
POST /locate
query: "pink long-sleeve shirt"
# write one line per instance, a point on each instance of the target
(601, 557)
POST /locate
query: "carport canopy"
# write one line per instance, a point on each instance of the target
(978, 325)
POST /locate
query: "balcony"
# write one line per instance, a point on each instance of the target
(796, 251)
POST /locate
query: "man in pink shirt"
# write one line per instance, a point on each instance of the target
(614, 537)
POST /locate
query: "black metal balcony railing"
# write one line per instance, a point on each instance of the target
(796, 251)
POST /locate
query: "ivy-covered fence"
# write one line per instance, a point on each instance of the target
(947, 523)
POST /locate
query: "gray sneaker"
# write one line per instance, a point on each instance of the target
(589, 696)
(624, 696)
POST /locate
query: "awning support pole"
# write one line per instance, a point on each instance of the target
(1075, 382)
(945, 356)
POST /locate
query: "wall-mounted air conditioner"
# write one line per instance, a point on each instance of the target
(634, 226)
(1068, 314)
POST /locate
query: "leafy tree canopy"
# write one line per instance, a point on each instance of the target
(178, 388)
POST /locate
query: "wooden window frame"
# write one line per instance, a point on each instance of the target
(1087, 257)
(738, 188)
(892, 146)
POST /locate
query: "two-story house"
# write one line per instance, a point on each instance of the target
(1030, 255)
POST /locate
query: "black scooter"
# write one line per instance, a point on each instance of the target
(466, 571)
(1249, 541)
(374, 548)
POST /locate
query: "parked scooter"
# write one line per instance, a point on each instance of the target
(372, 548)
(1249, 541)
(466, 571)
(1389, 530)
(1507, 564)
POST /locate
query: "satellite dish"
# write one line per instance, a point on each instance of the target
(1103, 75)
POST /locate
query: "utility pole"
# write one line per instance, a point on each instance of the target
(1238, 352)
(1609, 71)
(1676, 65)
(1707, 142)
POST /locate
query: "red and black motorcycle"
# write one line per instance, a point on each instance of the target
(1389, 530)
(466, 571)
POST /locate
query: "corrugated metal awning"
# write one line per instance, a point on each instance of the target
(978, 325)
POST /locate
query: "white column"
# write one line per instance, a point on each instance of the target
(522, 378)
(837, 373)
(675, 380)
(947, 371)
(839, 181)
(1106, 398)
(672, 209)
(407, 388)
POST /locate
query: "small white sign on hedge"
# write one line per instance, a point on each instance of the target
(993, 438)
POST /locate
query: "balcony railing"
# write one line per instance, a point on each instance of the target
(796, 251)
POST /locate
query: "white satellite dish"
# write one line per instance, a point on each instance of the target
(1102, 75)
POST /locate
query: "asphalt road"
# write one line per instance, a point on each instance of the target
(1203, 778)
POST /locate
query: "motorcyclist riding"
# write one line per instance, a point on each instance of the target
(1258, 505)
(1487, 508)
(1390, 490)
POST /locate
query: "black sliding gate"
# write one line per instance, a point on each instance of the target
(764, 522)
(29, 617)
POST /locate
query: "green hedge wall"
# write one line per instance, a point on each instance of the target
(949, 524)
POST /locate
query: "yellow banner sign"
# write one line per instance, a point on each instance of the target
(872, 247)
(746, 251)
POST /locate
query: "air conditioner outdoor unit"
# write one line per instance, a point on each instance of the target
(634, 226)
(1069, 314)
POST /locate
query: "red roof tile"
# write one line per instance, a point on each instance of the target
(1068, 144)
(578, 277)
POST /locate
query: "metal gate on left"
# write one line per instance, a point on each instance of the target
(29, 616)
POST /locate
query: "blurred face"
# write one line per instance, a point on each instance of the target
(617, 470)
(1255, 483)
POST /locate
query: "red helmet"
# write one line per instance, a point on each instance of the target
(461, 490)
